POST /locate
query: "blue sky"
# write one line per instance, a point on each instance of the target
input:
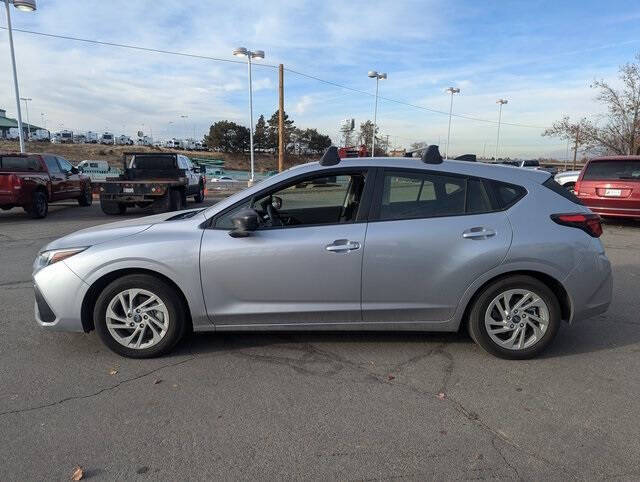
(541, 56)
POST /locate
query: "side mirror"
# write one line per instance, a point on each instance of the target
(203, 169)
(244, 222)
(74, 170)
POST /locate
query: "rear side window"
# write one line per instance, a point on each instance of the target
(413, 195)
(612, 170)
(154, 162)
(504, 194)
(20, 163)
(562, 191)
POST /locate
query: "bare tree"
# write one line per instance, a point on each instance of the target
(579, 133)
(619, 131)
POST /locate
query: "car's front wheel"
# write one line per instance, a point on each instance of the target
(515, 317)
(139, 316)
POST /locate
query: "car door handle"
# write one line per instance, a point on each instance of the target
(478, 233)
(342, 246)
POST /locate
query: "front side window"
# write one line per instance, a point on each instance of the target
(64, 164)
(316, 200)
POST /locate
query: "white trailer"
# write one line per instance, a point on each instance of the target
(107, 138)
(63, 137)
(124, 140)
(91, 137)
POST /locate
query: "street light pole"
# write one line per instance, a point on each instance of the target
(501, 102)
(375, 75)
(451, 90)
(26, 107)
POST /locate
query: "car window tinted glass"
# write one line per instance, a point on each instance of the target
(478, 200)
(153, 162)
(52, 164)
(20, 163)
(225, 221)
(612, 170)
(408, 195)
(562, 191)
(505, 195)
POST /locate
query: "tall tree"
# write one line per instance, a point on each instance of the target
(366, 133)
(260, 134)
(272, 131)
(228, 136)
(618, 131)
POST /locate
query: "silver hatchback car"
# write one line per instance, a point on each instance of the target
(354, 244)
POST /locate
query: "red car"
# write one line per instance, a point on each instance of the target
(610, 186)
(34, 180)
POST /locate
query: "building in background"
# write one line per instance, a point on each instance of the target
(9, 129)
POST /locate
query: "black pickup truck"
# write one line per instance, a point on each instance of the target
(162, 181)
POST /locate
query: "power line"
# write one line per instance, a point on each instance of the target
(262, 64)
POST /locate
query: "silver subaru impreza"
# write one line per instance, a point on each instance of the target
(352, 244)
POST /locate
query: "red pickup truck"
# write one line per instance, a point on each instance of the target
(34, 180)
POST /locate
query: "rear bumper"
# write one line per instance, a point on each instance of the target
(590, 287)
(624, 209)
(7, 199)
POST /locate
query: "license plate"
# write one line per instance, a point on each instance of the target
(613, 192)
(128, 190)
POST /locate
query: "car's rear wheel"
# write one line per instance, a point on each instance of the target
(39, 206)
(139, 316)
(175, 200)
(87, 196)
(516, 317)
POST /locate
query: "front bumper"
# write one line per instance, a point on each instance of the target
(59, 293)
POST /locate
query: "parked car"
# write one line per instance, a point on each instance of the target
(98, 171)
(531, 164)
(160, 180)
(610, 186)
(32, 181)
(365, 244)
(567, 179)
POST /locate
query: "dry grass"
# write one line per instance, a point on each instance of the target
(113, 154)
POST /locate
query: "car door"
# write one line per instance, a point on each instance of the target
(303, 269)
(194, 179)
(430, 236)
(58, 178)
(72, 182)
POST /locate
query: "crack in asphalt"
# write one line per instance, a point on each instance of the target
(15, 283)
(99, 392)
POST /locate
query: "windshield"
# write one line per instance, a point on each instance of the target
(612, 170)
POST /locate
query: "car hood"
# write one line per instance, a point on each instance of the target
(107, 232)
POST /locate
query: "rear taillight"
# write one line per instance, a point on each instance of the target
(15, 181)
(589, 223)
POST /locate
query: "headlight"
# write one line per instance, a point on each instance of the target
(46, 258)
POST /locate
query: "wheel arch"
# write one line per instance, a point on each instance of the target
(556, 286)
(96, 288)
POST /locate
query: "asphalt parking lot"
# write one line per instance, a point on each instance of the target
(317, 406)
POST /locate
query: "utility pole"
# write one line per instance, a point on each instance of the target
(280, 118)
(575, 147)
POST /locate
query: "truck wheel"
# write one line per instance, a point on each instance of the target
(112, 207)
(39, 206)
(200, 196)
(87, 196)
(161, 205)
(175, 200)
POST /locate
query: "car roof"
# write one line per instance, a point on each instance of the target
(615, 158)
(480, 169)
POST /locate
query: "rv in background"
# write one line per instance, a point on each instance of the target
(107, 138)
(63, 137)
(39, 135)
(124, 140)
(91, 137)
(144, 141)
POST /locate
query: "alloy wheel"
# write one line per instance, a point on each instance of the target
(137, 318)
(516, 319)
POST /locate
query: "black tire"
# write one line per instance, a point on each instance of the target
(175, 200)
(167, 294)
(39, 206)
(161, 205)
(112, 207)
(87, 196)
(200, 196)
(478, 331)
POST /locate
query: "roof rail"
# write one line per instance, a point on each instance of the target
(330, 157)
(432, 155)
